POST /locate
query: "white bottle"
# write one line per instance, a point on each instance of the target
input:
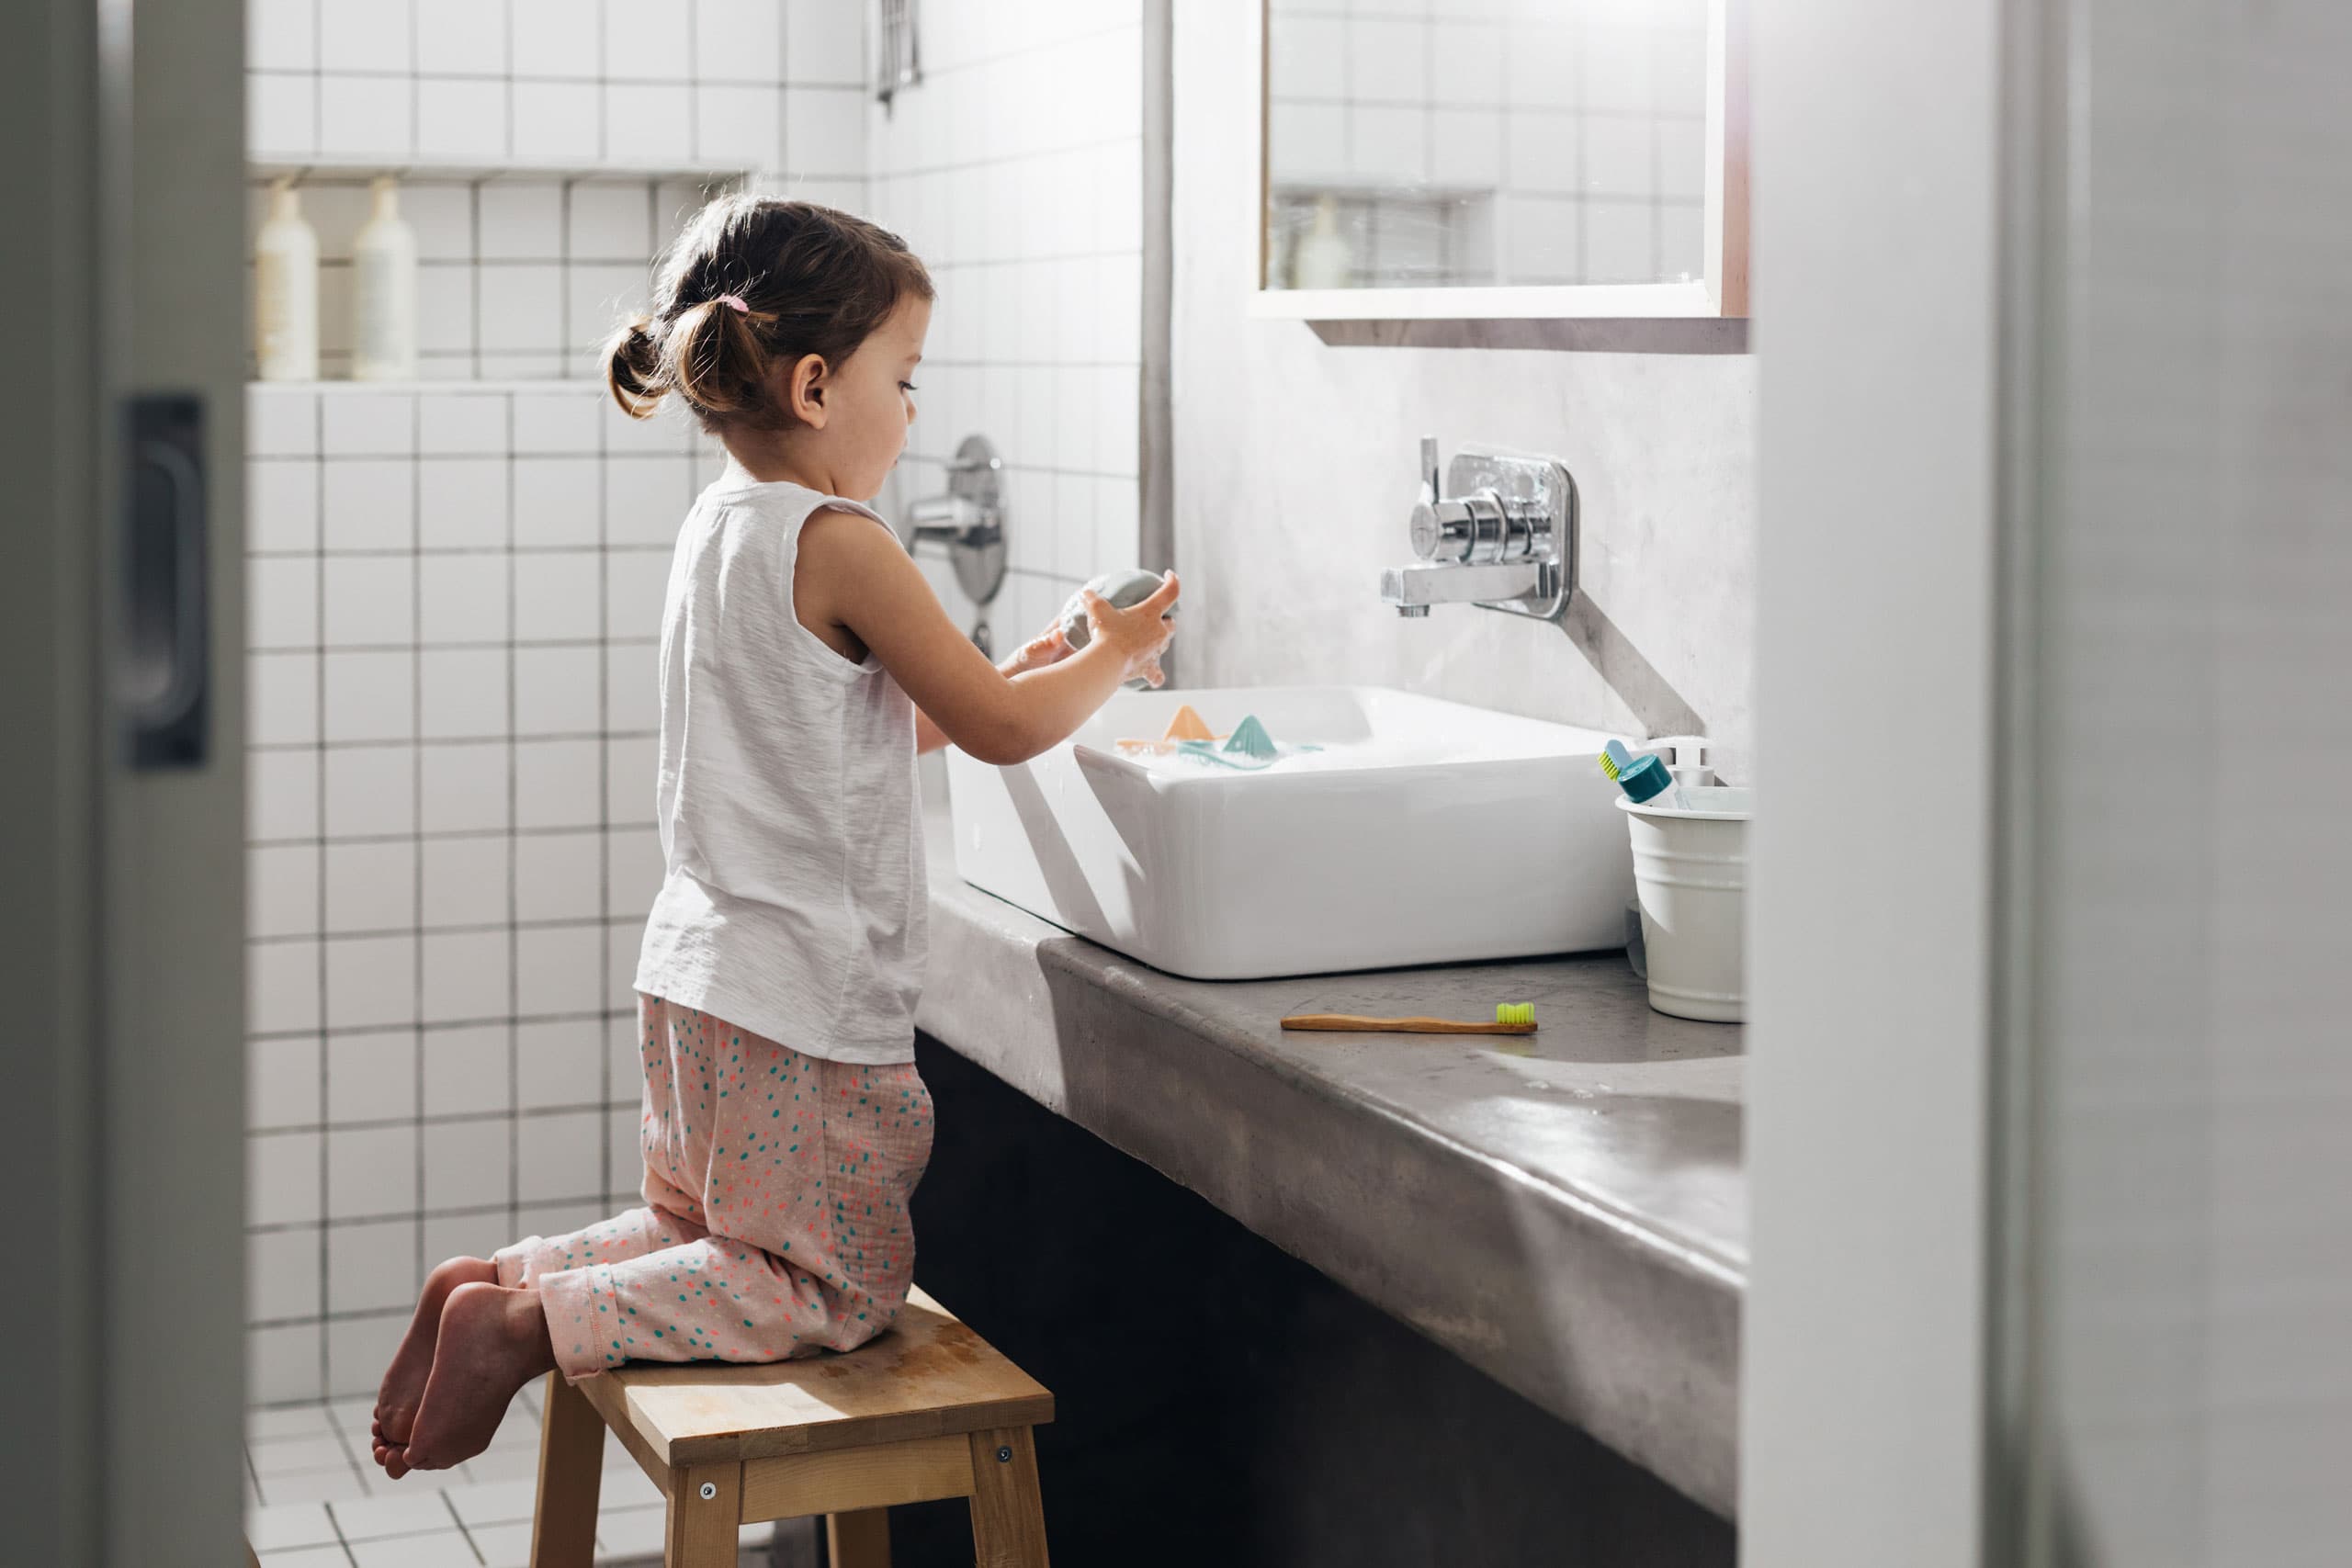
(383, 292)
(1322, 258)
(286, 291)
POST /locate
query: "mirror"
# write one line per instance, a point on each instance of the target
(1509, 157)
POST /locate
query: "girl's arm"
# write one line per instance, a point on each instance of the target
(1049, 647)
(854, 577)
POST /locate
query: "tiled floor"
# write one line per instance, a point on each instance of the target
(315, 1499)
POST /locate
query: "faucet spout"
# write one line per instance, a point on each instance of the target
(1504, 540)
(1415, 588)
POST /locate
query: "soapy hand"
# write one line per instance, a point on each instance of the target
(1139, 632)
(1049, 647)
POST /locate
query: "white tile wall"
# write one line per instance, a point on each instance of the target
(635, 84)
(451, 830)
(1570, 137)
(457, 585)
(1015, 170)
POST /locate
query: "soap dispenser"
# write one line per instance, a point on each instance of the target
(1322, 258)
(383, 292)
(286, 291)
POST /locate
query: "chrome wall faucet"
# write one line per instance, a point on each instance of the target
(968, 518)
(1495, 529)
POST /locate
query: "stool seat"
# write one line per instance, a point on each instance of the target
(928, 1410)
(929, 1377)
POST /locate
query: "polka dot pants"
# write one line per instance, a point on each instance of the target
(776, 1220)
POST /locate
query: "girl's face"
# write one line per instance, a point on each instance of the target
(867, 402)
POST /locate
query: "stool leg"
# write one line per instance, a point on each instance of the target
(1008, 1511)
(703, 1531)
(571, 1468)
(861, 1539)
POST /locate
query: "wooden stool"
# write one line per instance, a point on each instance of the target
(928, 1410)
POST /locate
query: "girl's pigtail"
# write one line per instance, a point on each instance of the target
(634, 370)
(717, 362)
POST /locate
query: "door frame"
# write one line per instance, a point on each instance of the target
(1879, 264)
(123, 940)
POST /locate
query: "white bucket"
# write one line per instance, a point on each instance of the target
(1690, 874)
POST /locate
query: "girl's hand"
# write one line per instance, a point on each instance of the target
(1139, 633)
(855, 574)
(1049, 647)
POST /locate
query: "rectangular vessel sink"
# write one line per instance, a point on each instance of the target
(1422, 833)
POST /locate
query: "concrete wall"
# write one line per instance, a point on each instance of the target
(1295, 467)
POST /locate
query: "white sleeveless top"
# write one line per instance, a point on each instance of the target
(794, 903)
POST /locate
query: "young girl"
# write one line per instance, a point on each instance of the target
(804, 662)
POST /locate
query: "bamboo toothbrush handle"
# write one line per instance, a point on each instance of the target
(1355, 1024)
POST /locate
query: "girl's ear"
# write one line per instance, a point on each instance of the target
(803, 393)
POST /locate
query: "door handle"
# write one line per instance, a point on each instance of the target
(163, 672)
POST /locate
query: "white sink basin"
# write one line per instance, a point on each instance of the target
(1424, 833)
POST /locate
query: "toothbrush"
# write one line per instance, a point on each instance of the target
(1510, 1018)
(1643, 778)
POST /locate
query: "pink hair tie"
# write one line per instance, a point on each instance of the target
(733, 302)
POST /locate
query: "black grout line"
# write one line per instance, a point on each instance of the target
(463, 1534)
(603, 775)
(512, 80)
(604, 86)
(445, 835)
(359, 744)
(513, 816)
(318, 69)
(435, 1119)
(506, 77)
(485, 1021)
(416, 862)
(319, 685)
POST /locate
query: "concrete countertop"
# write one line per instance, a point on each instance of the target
(1565, 1211)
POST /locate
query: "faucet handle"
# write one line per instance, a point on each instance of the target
(1431, 484)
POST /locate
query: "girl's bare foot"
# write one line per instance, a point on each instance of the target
(404, 1384)
(492, 1342)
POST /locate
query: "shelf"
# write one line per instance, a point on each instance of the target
(404, 388)
(323, 168)
(1348, 189)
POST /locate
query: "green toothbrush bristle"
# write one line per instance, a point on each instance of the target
(1609, 765)
(1514, 1012)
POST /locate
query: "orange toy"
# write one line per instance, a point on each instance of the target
(1188, 725)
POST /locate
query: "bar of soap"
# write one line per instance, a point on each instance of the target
(1121, 589)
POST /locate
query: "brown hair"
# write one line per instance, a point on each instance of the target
(812, 280)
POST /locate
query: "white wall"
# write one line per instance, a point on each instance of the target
(1014, 169)
(1296, 464)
